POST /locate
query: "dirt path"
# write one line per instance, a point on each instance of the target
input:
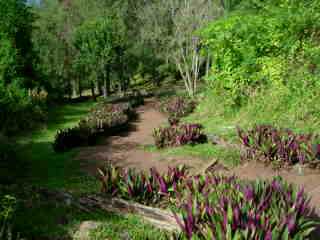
(126, 149)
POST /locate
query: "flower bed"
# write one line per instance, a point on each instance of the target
(282, 147)
(178, 135)
(216, 207)
(102, 119)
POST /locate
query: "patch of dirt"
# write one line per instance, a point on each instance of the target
(125, 149)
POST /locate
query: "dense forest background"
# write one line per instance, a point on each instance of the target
(246, 51)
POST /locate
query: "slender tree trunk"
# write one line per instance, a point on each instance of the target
(92, 91)
(208, 65)
(106, 83)
(80, 87)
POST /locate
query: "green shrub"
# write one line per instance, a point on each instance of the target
(18, 110)
(258, 46)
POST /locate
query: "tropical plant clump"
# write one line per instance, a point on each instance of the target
(177, 108)
(217, 207)
(280, 146)
(147, 188)
(178, 135)
(103, 119)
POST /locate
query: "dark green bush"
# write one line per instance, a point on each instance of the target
(18, 111)
(103, 119)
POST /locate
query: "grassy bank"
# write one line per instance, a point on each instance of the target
(40, 218)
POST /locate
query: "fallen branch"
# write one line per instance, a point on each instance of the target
(159, 218)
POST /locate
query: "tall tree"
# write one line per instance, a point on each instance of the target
(170, 26)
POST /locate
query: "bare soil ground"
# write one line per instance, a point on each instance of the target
(126, 150)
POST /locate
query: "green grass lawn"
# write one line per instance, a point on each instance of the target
(39, 165)
(43, 166)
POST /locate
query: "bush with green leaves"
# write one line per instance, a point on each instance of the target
(264, 44)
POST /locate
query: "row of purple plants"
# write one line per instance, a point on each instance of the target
(282, 147)
(102, 119)
(177, 108)
(217, 207)
(178, 135)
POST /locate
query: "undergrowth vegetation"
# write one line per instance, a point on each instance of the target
(216, 207)
(265, 65)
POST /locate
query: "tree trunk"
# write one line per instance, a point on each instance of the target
(208, 65)
(92, 91)
(80, 87)
(106, 82)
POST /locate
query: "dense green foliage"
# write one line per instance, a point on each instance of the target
(17, 109)
(266, 59)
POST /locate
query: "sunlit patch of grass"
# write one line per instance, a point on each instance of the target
(42, 165)
(130, 227)
(227, 156)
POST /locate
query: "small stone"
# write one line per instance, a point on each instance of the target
(84, 230)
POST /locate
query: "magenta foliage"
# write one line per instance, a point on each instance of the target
(179, 135)
(223, 207)
(178, 107)
(270, 144)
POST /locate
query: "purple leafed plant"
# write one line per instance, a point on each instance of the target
(282, 146)
(227, 208)
(179, 135)
(178, 107)
(217, 207)
(103, 118)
